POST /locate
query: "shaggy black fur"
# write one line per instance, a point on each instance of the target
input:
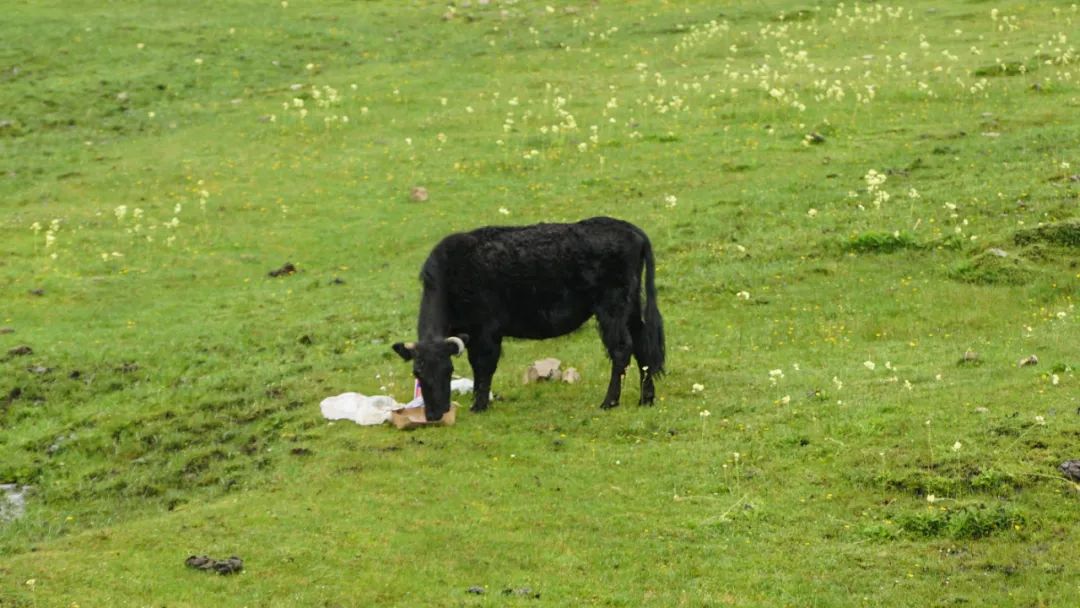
(536, 282)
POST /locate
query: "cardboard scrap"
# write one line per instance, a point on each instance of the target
(413, 417)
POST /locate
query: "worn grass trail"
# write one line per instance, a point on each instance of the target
(844, 201)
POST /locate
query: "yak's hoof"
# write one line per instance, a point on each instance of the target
(646, 402)
(607, 405)
(477, 408)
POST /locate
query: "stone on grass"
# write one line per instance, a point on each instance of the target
(1028, 360)
(418, 194)
(1071, 469)
(544, 369)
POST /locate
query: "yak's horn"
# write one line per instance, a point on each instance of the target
(456, 341)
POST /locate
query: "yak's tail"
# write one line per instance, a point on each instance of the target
(652, 351)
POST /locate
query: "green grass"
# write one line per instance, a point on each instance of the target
(155, 167)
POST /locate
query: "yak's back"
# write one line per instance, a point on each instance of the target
(533, 252)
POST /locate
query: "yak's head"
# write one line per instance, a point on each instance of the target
(432, 367)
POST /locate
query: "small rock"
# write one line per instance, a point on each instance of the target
(39, 369)
(37, 292)
(544, 369)
(20, 351)
(122, 97)
(226, 566)
(59, 444)
(1071, 469)
(1001, 253)
(12, 501)
(337, 281)
(229, 566)
(475, 590)
(970, 356)
(982, 410)
(286, 269)
(418, 194)
(1029, 360)
(571, 375)
(522, 592)
(815, 138)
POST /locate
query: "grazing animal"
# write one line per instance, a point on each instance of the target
(535, 282)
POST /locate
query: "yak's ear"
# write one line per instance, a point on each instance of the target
(407, 350)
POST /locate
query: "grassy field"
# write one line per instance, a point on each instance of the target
(864, 217)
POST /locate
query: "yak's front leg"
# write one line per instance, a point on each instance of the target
(484, 352)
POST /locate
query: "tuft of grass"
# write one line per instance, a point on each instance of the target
(1062, 234)
(880, 242)
(990, 268)
(1006, 68)
(966, 522)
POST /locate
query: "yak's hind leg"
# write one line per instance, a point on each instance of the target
(613, 315)
(637, 328)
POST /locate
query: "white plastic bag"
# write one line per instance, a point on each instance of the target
(375, 409)
(361, 409)
(461, 386)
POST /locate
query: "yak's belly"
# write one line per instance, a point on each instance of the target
(538, 316)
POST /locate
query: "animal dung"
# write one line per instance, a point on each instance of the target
(413, 417)
(285, 270)
(547, 370)
(418, 194)
(1029, 360)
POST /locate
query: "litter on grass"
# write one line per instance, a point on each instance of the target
(377, 409)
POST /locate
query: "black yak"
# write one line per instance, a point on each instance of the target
(535, 282)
